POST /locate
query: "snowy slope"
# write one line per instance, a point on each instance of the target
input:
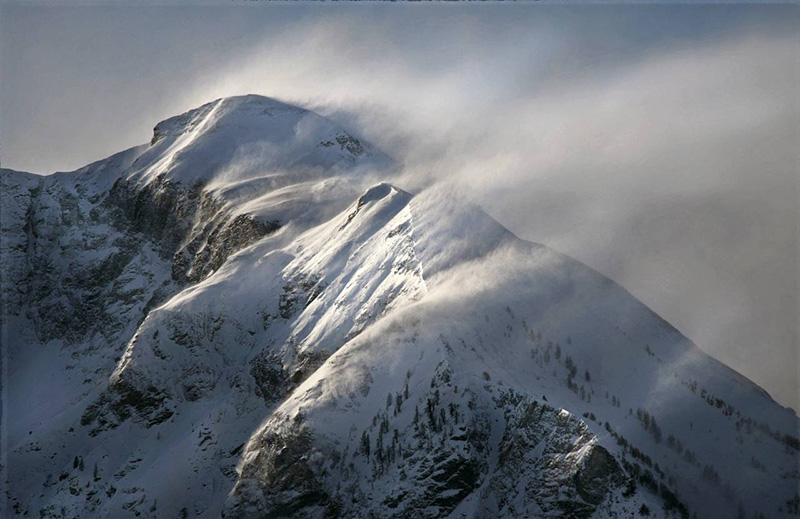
(242, 318)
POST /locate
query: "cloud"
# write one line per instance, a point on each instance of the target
(658, 145)
(675, 175)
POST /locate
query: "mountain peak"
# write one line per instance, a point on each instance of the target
(232, 108)
(379, 191)
(241, 137)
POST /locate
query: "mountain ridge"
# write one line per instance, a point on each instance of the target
(238, 323)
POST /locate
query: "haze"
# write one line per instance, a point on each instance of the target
(658, 144)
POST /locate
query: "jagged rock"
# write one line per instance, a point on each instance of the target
(279, 482)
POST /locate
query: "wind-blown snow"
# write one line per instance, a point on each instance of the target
(236, 360)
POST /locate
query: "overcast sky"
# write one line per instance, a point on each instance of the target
(658, 144)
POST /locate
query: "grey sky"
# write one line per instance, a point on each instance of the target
(658, 144)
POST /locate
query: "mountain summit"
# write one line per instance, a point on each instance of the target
(243, 318)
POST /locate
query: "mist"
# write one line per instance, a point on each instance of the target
(657, 144)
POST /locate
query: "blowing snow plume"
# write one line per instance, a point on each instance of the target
(672, 168)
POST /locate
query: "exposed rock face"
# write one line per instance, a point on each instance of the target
(123, 401)
(538, 462)
(550, 463)
(80, 274)
(597, 475)
(283, 466)
(208, 250)
(188, 223)
(17, 227)
(160, 209)
(78, 264)
(77, 261)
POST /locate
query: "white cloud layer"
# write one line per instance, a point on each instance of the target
(667, 161)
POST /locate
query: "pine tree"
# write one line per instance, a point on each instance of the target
(365, 444)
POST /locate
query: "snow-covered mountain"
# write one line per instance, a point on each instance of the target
(246, 318)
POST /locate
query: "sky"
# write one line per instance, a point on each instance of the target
(656, 143)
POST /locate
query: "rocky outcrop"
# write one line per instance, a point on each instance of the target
(162, 210)
(206, 251)
(17, 224)
(75, 275)
(125, 400)
(546, 462)
(549, 463)
(279, 480)
(192, 228)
